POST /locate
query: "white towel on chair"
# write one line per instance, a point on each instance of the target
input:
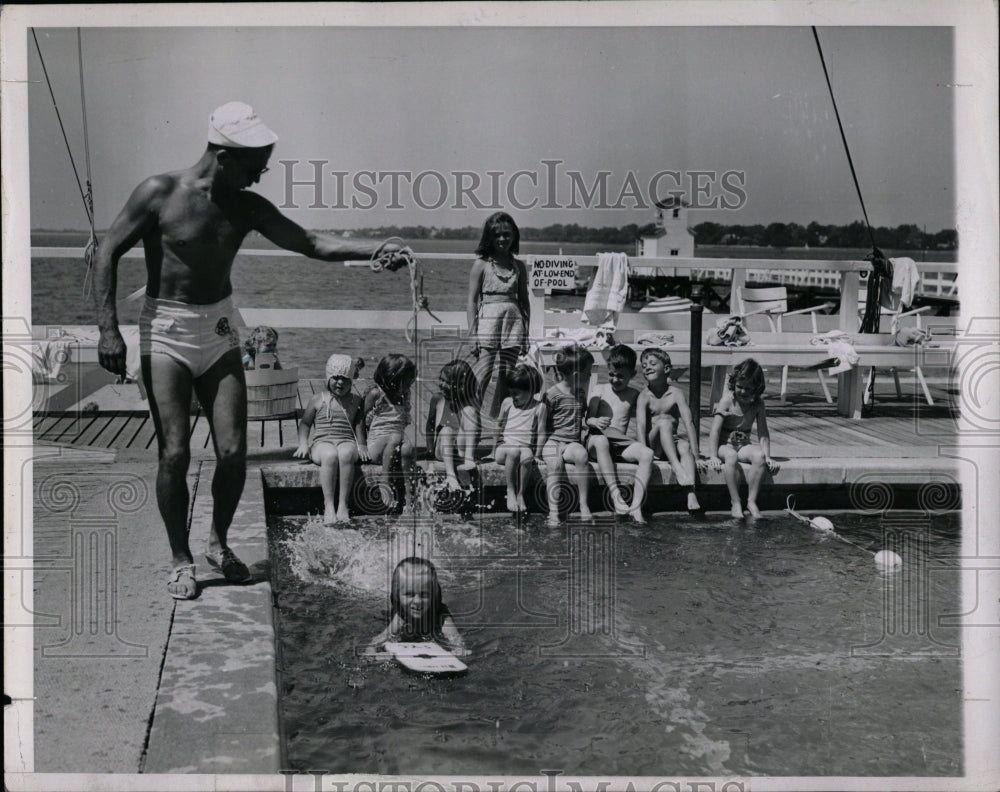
(608, 292)
(905, 279)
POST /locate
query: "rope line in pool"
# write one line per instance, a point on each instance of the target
(884, 559)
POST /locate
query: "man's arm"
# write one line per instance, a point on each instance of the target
(287, 234)
(136, 219)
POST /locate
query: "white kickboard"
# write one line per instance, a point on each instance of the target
(425, 657)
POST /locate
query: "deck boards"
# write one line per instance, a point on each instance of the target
(803, 421)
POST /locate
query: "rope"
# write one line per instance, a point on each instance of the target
(90, 252)
(870, 321)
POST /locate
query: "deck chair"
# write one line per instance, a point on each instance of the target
(894, 317)
(772, 303)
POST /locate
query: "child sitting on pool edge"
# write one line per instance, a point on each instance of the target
(452, 429)
(520, 435)
(566, 402)
(662, 408)
(416, 610)
(612, 406)
(729, 440)
(387, 406)
(335, 419)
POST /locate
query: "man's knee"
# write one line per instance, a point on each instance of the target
(232, 455)
(175, 456)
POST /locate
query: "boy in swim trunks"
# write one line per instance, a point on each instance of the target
(332, 435)
(566, 404)
(662, 408)
(191, 223)
(612, 406)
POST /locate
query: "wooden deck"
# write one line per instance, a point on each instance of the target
(804, 426)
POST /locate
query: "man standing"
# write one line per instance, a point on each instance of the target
(191, 223)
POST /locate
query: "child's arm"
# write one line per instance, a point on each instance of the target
(452, 638)
(468, 422)
(429, 428)
(593, 408)
(501, 424)
(542, 431)
(360, 433)
(522, 294)
(305, 424)
(475, 289)
(763, 434)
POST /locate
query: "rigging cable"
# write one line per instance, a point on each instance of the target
(869, 323)
(88, 196)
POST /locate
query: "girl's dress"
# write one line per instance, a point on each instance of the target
(388, 418)
(500, 321)
(332, 425)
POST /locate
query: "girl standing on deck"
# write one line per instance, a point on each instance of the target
(498, 310)
(416, 609)
(729, 441)
(387, 407)
(336, 421)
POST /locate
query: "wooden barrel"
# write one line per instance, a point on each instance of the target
(272, 393)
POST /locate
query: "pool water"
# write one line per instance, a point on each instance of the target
(685, 647)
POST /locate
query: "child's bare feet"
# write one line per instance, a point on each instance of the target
(637, 516)
(452, 483)
(586, 514)
(752, 508)
(693, 504)
(621, 507)
(773, 467)
(737, 511)
(512, 502)
(343, 516)
(521, 505)
(329, 514)
(552, 520)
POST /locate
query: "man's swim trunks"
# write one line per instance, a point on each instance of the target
(193, 335)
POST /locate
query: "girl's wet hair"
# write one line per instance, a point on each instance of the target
(437, 612)
(622, 356)
(524, 377)
(656, 352)
(458, 385)
(750, 372)
(573, 359)
(490, 227)
(392, 371)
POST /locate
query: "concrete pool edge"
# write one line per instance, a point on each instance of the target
(216, 707)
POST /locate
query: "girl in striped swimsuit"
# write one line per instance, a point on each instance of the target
(337, 442)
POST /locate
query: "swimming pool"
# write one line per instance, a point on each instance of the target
(685, 647)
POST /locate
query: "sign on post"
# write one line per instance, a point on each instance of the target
(553, 273)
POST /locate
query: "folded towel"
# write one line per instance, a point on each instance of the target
(608, 291)
(593, 338)
(654, 338)
(846, 355)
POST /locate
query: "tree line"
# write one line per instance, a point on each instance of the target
(777, 235)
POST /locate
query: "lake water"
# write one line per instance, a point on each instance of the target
(685, 647)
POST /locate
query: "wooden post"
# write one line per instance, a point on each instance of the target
(694, 391)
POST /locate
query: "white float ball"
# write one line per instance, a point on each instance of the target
(821, 524)
(887, 559)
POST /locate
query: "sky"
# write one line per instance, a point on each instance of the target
(746, 106)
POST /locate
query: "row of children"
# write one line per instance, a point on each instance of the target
(567, 427)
